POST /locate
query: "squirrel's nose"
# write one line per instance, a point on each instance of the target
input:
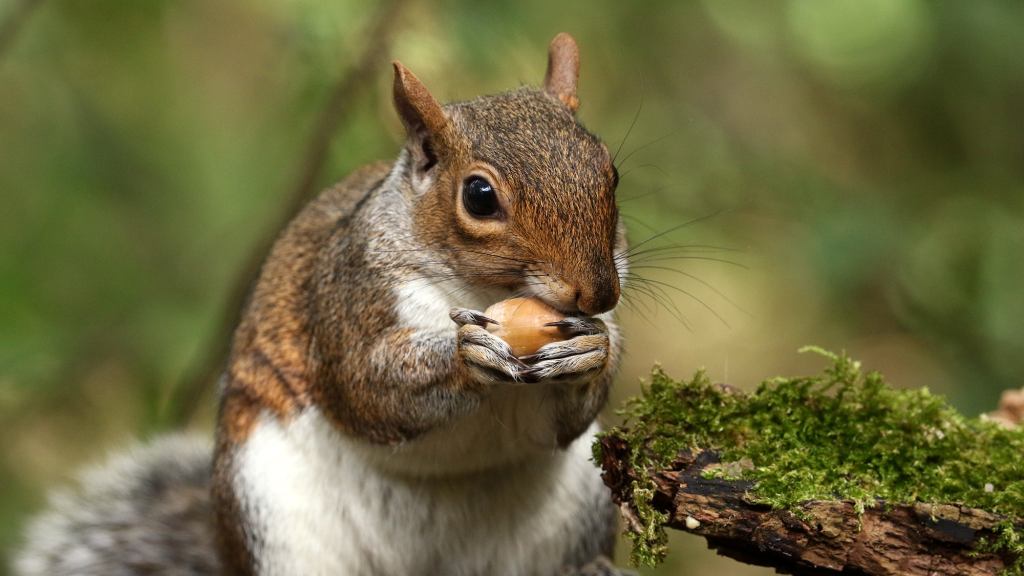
(599, 298)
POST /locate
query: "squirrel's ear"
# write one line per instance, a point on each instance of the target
(424, 120)
(563, 70)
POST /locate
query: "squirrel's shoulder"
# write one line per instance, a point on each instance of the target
(341, 199)
(268, 366)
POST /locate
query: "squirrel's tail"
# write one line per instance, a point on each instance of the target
(146, 511)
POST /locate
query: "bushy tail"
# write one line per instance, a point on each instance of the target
(146, 511)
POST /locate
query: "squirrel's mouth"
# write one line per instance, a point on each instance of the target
(554, 293)
(567, 298)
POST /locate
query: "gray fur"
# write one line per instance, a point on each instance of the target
(145, 511)
(347, 341)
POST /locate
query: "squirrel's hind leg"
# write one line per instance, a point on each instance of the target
(146, 511)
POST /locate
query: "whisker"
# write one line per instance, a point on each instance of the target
(673, 229)
(644, 195)
(706, 284)
(685, 248)
(641, 166)
(649, 144)
(688, 294)
(699, 258)
(632, 218)
(636, 117)
(658, 295)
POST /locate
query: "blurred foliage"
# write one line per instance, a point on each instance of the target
(862, 162)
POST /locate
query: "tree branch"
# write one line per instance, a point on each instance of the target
(826, 538)
(186, 398)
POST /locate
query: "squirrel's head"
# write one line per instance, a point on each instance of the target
(513, 190)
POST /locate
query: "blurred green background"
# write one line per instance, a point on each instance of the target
(858, 166)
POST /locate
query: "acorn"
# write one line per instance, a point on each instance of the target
(522, 324)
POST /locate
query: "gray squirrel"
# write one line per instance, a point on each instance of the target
(369, 423)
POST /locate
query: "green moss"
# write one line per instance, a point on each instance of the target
(840, 435)
(650, 542)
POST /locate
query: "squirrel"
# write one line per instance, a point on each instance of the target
(368, 422)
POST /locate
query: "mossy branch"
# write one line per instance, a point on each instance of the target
(820, 536)
(819, 475)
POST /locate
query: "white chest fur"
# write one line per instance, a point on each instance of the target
(424, 303)
(319, 506)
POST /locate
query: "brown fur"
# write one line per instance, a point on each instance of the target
(559, 182)
(563, 70)
(268, 370)
(432, 407)
(321, 329)
(269, 367)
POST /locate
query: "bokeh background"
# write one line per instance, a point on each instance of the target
(852, 173)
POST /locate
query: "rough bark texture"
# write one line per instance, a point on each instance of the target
(828, 537)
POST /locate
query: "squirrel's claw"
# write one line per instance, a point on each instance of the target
(576, 326)
(492, 343)
(489, 358)
(576, 367)
(465, 317)
(576, 358)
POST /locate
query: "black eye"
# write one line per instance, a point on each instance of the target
(480, 198)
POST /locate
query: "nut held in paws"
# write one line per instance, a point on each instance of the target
(522, 324)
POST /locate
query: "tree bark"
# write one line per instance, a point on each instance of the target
(825, 538)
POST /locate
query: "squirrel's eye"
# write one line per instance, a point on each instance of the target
(480, 198)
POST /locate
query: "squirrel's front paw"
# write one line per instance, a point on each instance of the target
(486, 357)
(579, 358)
